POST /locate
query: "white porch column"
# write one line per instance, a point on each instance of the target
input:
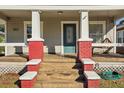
(36, 43)
(84, 43)
(84, 25)
(36, 25)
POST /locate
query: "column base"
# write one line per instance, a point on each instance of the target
(36, 50)
(84, 48)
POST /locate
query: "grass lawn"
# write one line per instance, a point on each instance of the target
(112, 83)
(8, 80)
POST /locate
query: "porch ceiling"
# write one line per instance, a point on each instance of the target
(71, 13)
(109, 13)
(9, 13)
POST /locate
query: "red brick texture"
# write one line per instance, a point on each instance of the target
(36, 50)
(33, 67)
(93, 83)
(87, 67)
(27, 83)
(84, 49)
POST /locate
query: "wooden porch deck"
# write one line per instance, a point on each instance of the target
(65, 58)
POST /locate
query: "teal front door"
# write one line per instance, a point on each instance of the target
(69, 38)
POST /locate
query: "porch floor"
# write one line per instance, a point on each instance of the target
(14, 58)
(65, 58)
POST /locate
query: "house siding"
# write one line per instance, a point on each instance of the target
(51, 31)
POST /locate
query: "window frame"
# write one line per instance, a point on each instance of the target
(103, 25)
(25, 29)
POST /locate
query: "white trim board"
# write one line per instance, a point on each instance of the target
(62, 7)
(68, 22)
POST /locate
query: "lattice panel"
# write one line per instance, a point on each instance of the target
(11, 68)
(109, 67)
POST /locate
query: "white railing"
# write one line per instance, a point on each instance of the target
(12, 44)
(9, 47)
(107, 44)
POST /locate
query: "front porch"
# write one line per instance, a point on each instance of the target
(60, 40)
(17, 29)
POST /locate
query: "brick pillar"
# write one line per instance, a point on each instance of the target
(84, 49)
(36, 50)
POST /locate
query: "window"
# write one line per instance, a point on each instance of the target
(28, 30)
(97, 31)
(120, 37)
(2, 35)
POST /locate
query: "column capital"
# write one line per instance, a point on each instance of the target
(85, 39)
(80, 11)
(35, 26)
(35, 39)
(39, 11)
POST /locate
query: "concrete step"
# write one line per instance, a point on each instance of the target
(64, 71)
(53, 84)
(60, 60)
(60, 66)
(49, 69)
(58, 76)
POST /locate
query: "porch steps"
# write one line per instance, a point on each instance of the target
(58, 58)
(58, 85)
(59, 74)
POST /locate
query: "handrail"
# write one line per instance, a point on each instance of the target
(13, 44)
(108, 44)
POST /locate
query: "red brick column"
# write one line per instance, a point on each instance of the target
(84, 49)
(36, 50)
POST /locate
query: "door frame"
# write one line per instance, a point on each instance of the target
(62, 30)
